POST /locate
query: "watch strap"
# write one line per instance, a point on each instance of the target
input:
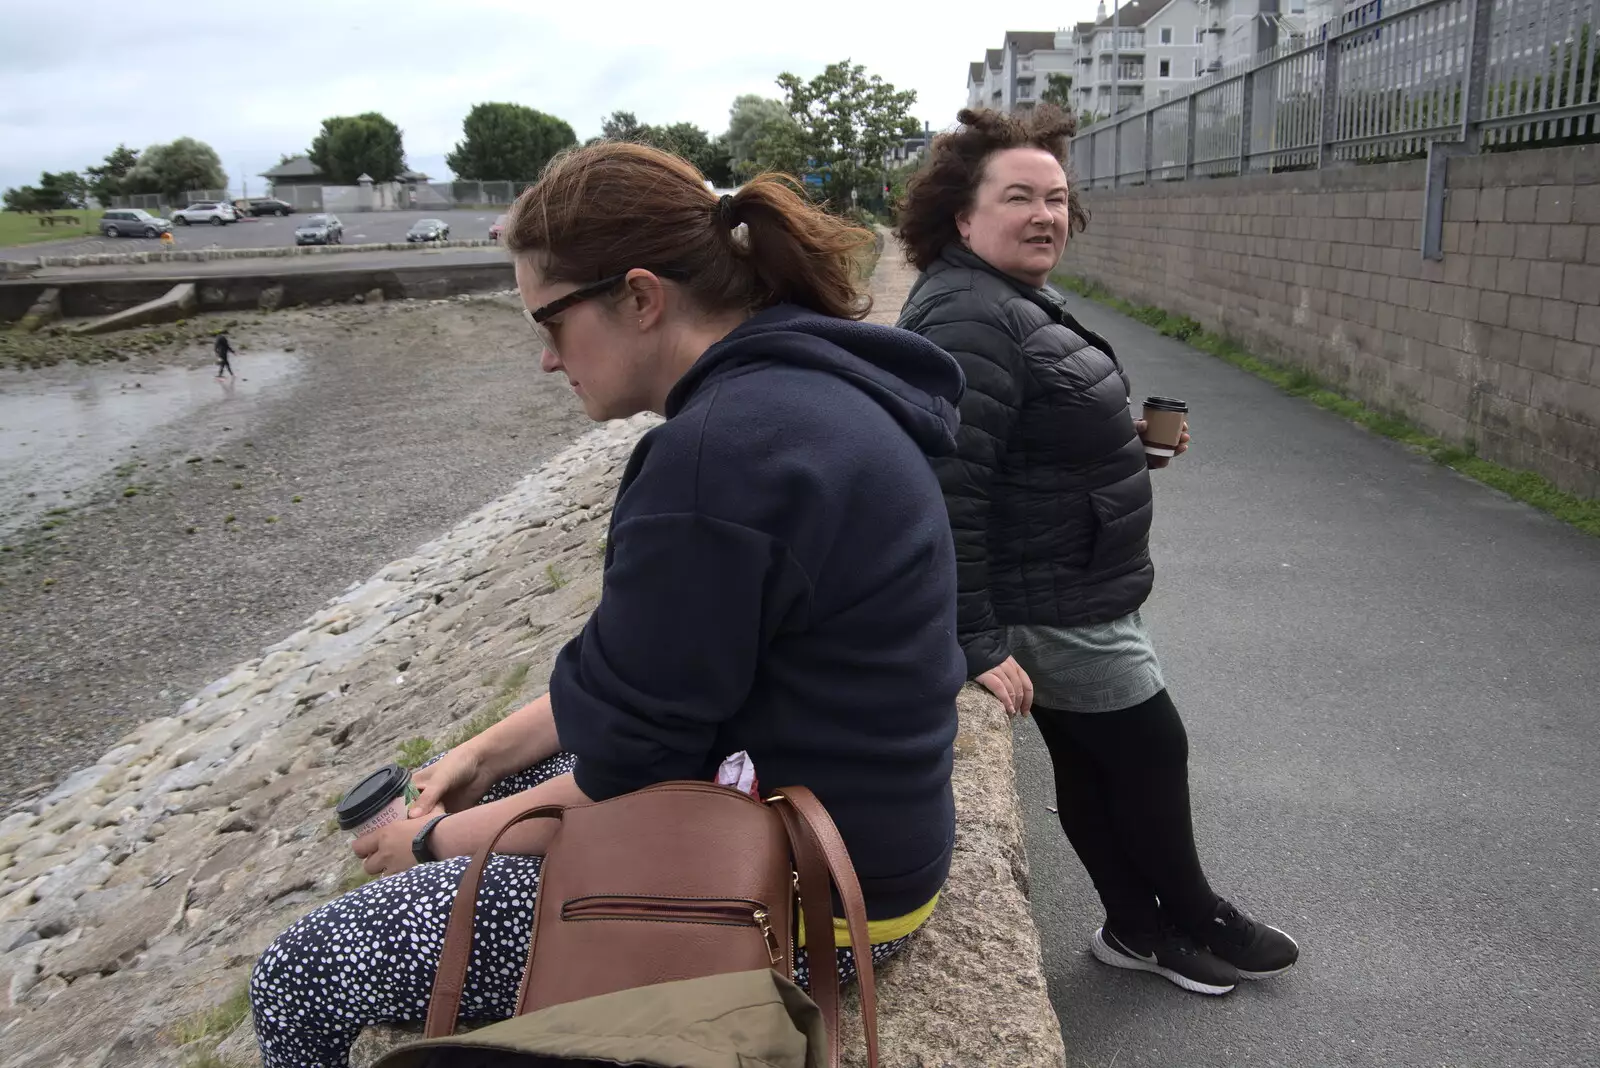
(419, 845)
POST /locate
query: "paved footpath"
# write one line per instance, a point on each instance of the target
(1391, 680)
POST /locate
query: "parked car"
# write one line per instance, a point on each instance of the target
(429, 230)
(132, 222)
(497, 228)
(265, 206)
(320, 230)
(215, 212)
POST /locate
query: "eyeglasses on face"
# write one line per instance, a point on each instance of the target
(537, 317)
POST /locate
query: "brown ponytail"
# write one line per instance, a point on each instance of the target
(608, 207)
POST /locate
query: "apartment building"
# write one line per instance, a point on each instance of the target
(1138, 53)
(1015, 76)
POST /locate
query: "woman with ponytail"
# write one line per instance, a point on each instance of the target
(779, 579)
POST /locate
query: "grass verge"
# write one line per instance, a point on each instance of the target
(497, 709)
(214, 1022)
(17, 228)
(1525, 486)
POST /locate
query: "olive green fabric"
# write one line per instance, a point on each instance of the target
(754, 1019)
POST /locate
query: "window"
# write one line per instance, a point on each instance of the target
(1166, 35)
(1199, 67)
(1166, 68)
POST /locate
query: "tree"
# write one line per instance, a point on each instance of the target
(352, 145)
(748, 119)
(105, 181)
(177, 168)
(507, 143)
(1058, 91)
(845, 124)
(22, 198)
(621, 126)
(66, 189)
(708, 154)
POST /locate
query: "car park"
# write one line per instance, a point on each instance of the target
(215, 212)
(428, 230)
(132, 222)
(319, 229)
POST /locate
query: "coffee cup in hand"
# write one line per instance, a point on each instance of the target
(1164, 418)
(376, 801)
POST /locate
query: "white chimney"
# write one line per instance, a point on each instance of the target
(1100, 13)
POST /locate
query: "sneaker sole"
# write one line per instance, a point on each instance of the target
(1106, 955)
(1276, 971)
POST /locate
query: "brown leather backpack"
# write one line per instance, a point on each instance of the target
(676, 881)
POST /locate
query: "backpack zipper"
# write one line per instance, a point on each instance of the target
(727, 912)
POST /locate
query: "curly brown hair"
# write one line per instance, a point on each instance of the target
(946, 183)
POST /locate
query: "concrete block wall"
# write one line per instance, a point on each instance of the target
(1497, 344)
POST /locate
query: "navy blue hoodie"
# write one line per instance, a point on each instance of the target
(780, 578)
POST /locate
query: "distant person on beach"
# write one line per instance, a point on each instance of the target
(224, 350)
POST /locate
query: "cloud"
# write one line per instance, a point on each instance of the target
(255, 82)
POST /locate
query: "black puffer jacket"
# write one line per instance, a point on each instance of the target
(1049, 492)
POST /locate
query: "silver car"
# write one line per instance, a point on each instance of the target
(217, 213)
(132, 222)
(319, 230)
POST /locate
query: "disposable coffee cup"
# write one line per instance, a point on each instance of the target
(376, 801)
(1164, 417)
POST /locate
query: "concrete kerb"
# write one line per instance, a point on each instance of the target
(207, 255)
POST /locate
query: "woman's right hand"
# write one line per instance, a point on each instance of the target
(456, 781)
(1011, 684)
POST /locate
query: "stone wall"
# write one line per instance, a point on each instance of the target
(1497, 344)
(252, 288)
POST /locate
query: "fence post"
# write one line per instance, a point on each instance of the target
(1328, 125)
(1247, 108)
(1149, 144)
(1116, 148)
(1193, 119)
(1477, 73)
(1436, 184)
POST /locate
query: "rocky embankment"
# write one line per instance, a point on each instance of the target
(134, 897)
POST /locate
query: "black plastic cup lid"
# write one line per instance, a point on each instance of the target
(367, 797)
(1166, 404)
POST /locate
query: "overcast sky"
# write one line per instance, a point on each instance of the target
(256, 80)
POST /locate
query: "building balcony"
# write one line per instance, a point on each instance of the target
(1127, 72)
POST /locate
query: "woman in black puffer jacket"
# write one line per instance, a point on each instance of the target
(1050, 504)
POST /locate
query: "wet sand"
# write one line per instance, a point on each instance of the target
(192, 523)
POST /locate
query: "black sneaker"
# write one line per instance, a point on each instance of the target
(1257, 949)
(1168, 953)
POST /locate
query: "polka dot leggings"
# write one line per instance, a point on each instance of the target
(370, 956)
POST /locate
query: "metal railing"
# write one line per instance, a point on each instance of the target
(1382, 82)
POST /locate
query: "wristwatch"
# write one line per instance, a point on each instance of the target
(419, 844)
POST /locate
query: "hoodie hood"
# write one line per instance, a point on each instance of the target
(914, 380)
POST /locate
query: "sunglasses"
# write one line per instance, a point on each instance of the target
(537, 317)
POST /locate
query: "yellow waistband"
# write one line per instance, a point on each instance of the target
(878, 930)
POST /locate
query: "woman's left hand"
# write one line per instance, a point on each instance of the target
(388, 849)
(1155, 462)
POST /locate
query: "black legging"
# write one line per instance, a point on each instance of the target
(1122, 792)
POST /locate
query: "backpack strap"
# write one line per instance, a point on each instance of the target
(812, 834)
(452, 974)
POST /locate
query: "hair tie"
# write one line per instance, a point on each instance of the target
(725, 210)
